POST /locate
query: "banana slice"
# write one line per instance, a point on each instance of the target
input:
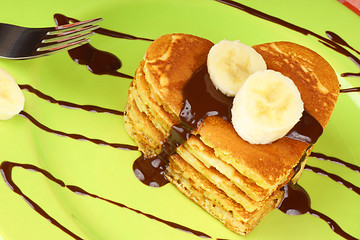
(11, 97)
(230, 63)
(266, 107)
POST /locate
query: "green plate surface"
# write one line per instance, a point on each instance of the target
(107, 172)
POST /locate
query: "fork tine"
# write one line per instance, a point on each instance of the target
(68, 46)
(64, 43)
(67, 35)
(73, 26)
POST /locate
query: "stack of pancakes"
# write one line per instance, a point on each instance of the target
(235, 181)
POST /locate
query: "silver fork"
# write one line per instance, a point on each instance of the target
(24, 43)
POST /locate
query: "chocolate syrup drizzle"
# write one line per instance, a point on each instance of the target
(349, 90)
(335, 42)
(6, 171)
(76, 136)
(324, 157)
(336, 38)
(89, 108)
(334, 177)
(296, 201)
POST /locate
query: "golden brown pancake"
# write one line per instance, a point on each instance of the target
(235, 181)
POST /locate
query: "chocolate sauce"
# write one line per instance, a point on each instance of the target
(322, 156)
(90, 108)
(296, 201)
(298, 166)
(151, 171)
(114, 34)
(349, 90)
(76, 136)
(336, 38)
(97, 61)
(201, 99)
(334, 177)
(308, 129)
(349, 74)
(6, 171)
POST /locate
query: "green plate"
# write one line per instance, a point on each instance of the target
(107, 171)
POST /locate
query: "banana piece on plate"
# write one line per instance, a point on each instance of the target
(11, 97)
(230, 63)
(266, 107)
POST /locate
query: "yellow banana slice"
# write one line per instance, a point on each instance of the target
(11, 97)
(266, 107)
(230, 63)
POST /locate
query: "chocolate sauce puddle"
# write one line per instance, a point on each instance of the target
(77, 136)
(6, 171)
(89, 108)
(200, 100)
(296, 201)
(97, 61)
(151, 171)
